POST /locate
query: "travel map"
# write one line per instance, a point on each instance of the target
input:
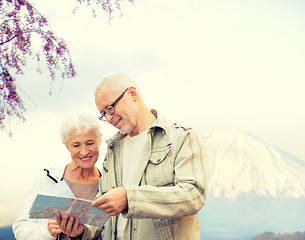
(45, 207)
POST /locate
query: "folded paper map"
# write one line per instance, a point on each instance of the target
(45, 207)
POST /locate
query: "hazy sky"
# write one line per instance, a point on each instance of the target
(215, 65)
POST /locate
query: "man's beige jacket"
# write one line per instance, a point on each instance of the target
(171, 185)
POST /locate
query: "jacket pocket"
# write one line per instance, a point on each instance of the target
(164, 228)
(160, 168)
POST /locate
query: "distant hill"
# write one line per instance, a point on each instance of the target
(241, 163)
(6, 233)
(253, 187)
(284, 236)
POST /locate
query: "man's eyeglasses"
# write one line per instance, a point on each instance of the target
(110, 109)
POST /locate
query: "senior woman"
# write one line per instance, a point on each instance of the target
(81, 134)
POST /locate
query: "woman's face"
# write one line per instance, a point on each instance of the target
(83, 147)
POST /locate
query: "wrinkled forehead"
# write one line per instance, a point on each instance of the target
(81, 133)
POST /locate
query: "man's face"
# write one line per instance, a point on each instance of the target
(124, 115)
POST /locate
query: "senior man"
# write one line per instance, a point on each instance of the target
(153, 179)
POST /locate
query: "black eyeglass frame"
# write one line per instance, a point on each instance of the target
(111, 109)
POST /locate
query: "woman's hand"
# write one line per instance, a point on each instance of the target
(53, 227)
(69, 225)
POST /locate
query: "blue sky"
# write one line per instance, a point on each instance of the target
(215, 65)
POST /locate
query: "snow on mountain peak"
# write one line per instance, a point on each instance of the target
(240, 163)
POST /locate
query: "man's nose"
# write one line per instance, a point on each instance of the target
(108, 117)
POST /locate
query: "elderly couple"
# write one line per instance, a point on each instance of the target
(152, 183)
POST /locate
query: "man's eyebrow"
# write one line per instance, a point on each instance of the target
(103, 110)
(107, 105)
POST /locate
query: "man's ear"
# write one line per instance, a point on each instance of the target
(133, 93)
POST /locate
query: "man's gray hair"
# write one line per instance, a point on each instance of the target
(117, 82)
(82, 122)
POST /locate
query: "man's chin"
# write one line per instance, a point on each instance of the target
(124, 130)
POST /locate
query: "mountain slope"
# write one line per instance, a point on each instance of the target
(240, 163)
(285, 236)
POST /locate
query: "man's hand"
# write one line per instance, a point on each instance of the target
(53, 228)
(69, 225)
(112, 202)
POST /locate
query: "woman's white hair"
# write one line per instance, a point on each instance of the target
(117, 82)
(82, 122)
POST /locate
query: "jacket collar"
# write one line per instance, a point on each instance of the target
(160, 123)
(56, 173)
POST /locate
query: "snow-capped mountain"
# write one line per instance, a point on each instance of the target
(240, 163)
